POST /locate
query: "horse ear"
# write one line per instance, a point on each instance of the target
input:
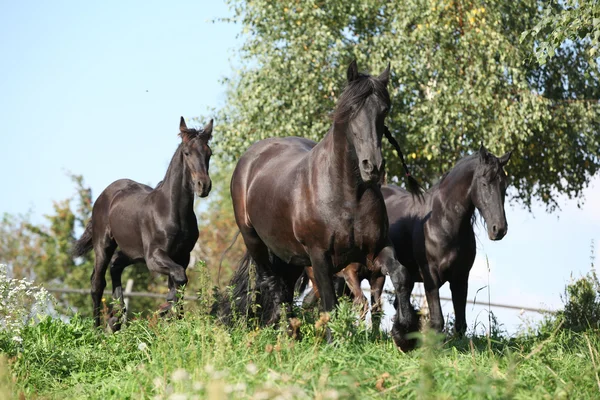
(504, 159)
(483, 154)
(208, 128)
(352, 73)
(182, 125)
(385, 75)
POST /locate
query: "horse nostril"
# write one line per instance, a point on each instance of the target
(495, 229)
(367, 166)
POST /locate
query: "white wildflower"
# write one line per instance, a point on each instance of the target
(209, 369)
(17, 339)
(180, 374)
(142, 346)
(21, 303)
(252, 368)
(158, 382)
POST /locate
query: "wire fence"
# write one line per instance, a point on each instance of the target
(128, 293)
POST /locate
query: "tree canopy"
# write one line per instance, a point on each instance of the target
(462, 75)
(567, 21)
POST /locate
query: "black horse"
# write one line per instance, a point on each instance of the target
(299, 203)
(154, 226)
(434, 239)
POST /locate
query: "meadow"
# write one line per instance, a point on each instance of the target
(197, 358)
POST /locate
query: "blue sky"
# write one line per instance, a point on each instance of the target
(98, 89)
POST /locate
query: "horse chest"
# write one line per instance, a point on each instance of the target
(449, 257)
(357, 231)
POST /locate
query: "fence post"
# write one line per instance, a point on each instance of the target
(128, 289)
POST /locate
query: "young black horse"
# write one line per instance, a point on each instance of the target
(156, 226)
(434, 239)
(300, 203)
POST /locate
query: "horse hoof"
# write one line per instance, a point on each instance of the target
(114, 324)
(399, 335)
(164, 309)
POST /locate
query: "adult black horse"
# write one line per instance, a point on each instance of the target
(434, 238)
(155, 226)
(300, 203)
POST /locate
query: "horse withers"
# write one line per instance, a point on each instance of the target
(435, 239)
(299, 203)
(157, 226)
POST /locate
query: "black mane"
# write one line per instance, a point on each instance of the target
(355, 94)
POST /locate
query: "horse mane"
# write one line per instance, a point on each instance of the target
(460, 165)
(492, 169)
(356, 93)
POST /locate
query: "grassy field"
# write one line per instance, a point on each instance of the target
(196, 358)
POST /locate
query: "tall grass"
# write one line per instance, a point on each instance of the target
(197, 358)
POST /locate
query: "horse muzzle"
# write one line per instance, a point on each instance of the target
(497, 232)
(202, 189)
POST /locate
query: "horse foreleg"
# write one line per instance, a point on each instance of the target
(350, 274)
(322, 267)
(376, 281)
(459, 288)
(436, 318)
(406, 320)
(159, 261)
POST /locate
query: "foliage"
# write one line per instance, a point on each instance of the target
(20, 303)
(582, 302)
(460, 76)
(196, 357)
(567, 20)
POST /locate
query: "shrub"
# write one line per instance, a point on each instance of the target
(20, 302)
(582, 301)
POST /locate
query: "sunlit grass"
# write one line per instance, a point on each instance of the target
(197, 358)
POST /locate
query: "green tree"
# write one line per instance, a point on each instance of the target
(461, 75)
(577, 21)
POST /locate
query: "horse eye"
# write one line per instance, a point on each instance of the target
(187, 153)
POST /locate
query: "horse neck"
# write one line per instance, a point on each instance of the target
(455, 193)
(342, 171)
(177, 186)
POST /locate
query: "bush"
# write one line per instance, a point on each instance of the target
(20, 302)
(582, 302)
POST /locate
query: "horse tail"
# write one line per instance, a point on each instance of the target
(411, 183)
(254, 293)
(84, 245)
(223, 256)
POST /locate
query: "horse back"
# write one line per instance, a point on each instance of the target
(117, 213)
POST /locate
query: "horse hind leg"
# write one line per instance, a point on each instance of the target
(119, 262)
(254, 286)
(104, 248)
(285, 276)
